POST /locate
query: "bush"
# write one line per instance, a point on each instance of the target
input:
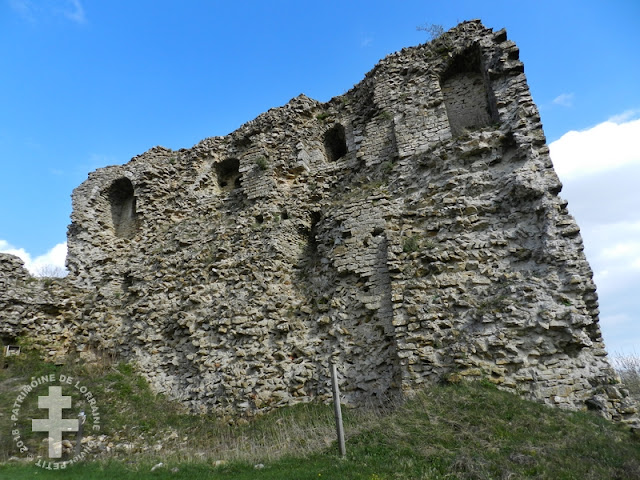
(262, 163)
(410, 245)
(51, 271)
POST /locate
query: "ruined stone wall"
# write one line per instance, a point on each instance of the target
(410, 230)
(42, 311)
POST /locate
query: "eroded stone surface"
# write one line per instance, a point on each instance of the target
(410, 230)
(42, 310)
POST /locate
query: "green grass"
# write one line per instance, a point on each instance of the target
(466, 431)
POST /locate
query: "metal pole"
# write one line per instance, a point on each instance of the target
(81, 419)
(337, 409)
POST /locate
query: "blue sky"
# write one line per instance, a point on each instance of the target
(89, 83)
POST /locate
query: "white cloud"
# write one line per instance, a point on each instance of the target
(613, 250)
(74, 11)
(564, 100)
(53, 259)
(607, 146)
(599, 168)
(24, 8)
(43, 265)
(624, 250)
(625, 116)
(6, 247)
(34, 11)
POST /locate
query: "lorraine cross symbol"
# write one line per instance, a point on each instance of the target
(55, 424)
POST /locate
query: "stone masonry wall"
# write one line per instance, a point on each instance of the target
(43, 311)
(409, 230)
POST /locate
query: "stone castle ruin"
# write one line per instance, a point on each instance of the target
(409, 230)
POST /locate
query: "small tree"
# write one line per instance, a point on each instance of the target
(51, 271)
(628, 367)
(433, 30)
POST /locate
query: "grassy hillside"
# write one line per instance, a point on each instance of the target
(468, 430)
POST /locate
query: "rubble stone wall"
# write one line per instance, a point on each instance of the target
(410, 230)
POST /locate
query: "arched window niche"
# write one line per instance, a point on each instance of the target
(123, 208)
(467, 96)
(335, 143)
(228, 173)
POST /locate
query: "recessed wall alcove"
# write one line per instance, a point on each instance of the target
(122, 200)
(228, 173)
(466, 93)
(335, 143)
